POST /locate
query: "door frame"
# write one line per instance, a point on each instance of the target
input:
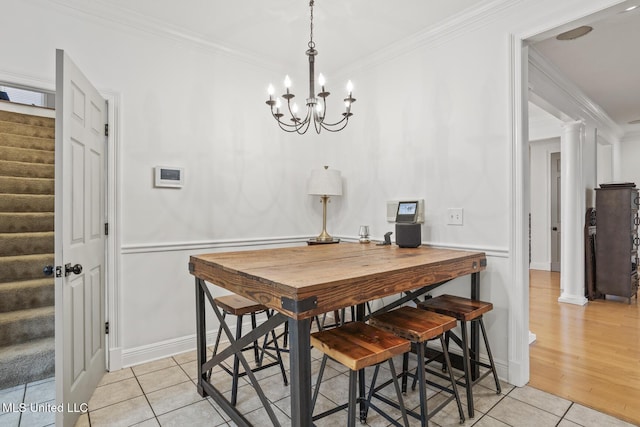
(520, 180)
(112, 215)
(553, 205)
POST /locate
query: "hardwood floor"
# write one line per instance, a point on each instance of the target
(588, 354)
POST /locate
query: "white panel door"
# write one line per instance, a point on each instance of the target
(81, 115)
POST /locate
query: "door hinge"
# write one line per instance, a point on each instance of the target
(106, 228)
(106, 328)
(106, 129)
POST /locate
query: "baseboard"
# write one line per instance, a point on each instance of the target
(115, 359)
(517, 376)
(172, 347)
(573, 299)
(160, 350)
(544, 266)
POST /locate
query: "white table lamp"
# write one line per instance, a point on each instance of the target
(324, 183)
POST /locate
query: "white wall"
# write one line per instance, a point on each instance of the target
(630, 159)
(432, 121)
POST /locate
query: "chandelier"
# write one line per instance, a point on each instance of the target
(316, 104)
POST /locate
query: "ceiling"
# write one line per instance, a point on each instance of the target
(604, 64)
(278, 30)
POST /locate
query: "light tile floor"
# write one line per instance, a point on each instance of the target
(163, 393)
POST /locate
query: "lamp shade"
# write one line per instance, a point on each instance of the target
(325, 182)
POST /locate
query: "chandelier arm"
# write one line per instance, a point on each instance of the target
(339, 122)
(304, 125)
(281, 125)
(330, 129)
(285, 126)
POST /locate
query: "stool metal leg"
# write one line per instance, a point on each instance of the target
(493, 365)
(405, 371)
(422, 381)
(398, 393)
(276, 346)
(447, 361)
(256, 354)
(467, 368)
(318, 382)
(236, 364)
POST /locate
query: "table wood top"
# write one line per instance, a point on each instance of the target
(304, 281)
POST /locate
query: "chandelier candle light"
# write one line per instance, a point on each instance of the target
(316, 104)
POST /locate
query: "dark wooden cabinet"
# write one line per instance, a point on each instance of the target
(617, 240)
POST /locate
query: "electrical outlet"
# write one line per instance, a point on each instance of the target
(454, 216)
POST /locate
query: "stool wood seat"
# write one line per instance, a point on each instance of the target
(419, 327)
(466, 310)
(357, 345)
(240, 306)
(463, 309)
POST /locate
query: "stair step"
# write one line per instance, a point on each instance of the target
(21, 141)
(30, 170)
(23, 325)
(30, 361)
(24, 222)
(13, 244)
(26, 203)
(27, 130)
(23, 267)
(27, 119)
(22, 185)
(27, 294)
(27, 155)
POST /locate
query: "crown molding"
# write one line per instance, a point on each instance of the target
(102, 11)
(455, 26)
(547, 82)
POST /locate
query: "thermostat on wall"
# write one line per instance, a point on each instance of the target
(168, 176)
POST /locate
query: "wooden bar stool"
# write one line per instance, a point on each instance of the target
(419, 327)
(240, 306)
(466, 310)
(357, 345)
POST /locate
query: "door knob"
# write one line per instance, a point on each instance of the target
(48, 270)
(76, 269)
(555, 228)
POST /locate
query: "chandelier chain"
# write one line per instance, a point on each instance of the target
(311, 43)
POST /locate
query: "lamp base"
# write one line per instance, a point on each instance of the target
(315, 241)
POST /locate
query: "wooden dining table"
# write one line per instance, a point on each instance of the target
(302, 282)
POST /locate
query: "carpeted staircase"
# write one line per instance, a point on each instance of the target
(26, 246)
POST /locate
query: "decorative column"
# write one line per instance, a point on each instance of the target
(572, 215)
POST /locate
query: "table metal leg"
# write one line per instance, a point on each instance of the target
(300, 364)
(201, 335)
(475, 330)
(360, 317)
